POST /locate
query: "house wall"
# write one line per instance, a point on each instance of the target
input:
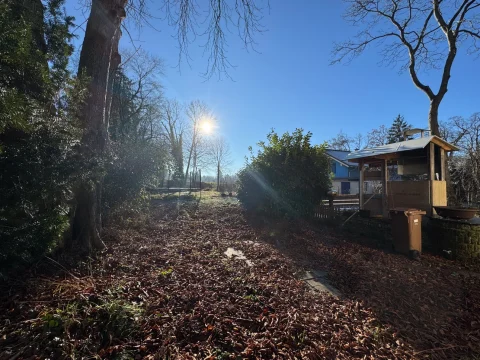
(343, 173)
(354, 186)
(354, 173)
(339, 170)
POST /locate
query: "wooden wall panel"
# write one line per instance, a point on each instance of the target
(409, 194)
(439, 197)
(374, 205)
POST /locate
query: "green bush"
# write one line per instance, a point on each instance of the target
(38, 131)
(133, 166)
(35, 182)
(287, 178)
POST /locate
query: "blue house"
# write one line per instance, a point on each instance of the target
(345, 173)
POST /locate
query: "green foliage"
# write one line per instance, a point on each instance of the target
(133, 166)
(38, 132)
(288, 177)
(166, 272)
(58, 46)
(395, 133)
(119, 317)
(39, 169)
(23, 67)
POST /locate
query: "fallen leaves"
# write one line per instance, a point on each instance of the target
(167, 290)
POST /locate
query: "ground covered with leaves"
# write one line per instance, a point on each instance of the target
(165, 289)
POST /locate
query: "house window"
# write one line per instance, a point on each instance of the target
(334, 167)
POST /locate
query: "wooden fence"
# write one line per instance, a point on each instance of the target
(327, 212)
(336, 209)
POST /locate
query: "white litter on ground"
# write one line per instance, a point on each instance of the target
(238, 255)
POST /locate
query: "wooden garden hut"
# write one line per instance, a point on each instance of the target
(417, 177)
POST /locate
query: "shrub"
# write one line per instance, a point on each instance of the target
(38, 129)
(38, 173)
(287, 178)
(133, 166)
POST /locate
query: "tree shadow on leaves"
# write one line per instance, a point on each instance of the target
(433, 304)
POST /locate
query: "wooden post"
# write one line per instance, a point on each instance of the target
(384, 188)
(330, 201)
(432, 161)
(362, 179)
(442, 165)
(432, 176)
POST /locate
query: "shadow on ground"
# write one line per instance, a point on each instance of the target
(434, 303)
(165, 288)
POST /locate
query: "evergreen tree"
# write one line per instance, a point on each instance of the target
(395, 133)
(37, 128)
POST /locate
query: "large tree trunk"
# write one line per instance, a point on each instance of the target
(433, 117)
(99, 58)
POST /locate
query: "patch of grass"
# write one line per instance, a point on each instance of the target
(166, 272)
(59, 321)
(114, 316)
(53, 321)
(251, 297)
(119, 317)
(221, 355)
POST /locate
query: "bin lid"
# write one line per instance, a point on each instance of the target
(407, 211)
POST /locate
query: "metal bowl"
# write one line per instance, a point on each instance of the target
(455, 213)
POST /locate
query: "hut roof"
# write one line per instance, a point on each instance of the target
(401, 146)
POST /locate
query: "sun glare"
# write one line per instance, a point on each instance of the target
(206, 127)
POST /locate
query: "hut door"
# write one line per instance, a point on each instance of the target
(345, 187)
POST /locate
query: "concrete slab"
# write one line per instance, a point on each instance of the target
(318, 281)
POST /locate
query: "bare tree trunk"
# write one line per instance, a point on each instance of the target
(190, 153)
(99, 58)
(433, 117)
(218, 177)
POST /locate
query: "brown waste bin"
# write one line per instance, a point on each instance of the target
(407, 230)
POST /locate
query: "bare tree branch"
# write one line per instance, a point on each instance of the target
(428, 31)
(192, 21)
(210, 20)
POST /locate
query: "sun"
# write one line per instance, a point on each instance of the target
(206, 126)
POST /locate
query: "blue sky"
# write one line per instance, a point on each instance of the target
(289, 82)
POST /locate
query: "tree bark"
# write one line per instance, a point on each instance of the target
(99, 59)
(433, 117)
(190, 153)
(218, 176)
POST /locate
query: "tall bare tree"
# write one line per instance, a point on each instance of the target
(137, 95)
(359, 141)
(174, 128)
(99, 58)
(220, 155)
(341, 142)
(465, 165)
(378, 136)
(197, 111)
(420, 34)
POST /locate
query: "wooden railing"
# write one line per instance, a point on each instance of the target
(351, 202)
(327, 212)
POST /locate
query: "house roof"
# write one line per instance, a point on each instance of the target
(401, 146)
(340, 156)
